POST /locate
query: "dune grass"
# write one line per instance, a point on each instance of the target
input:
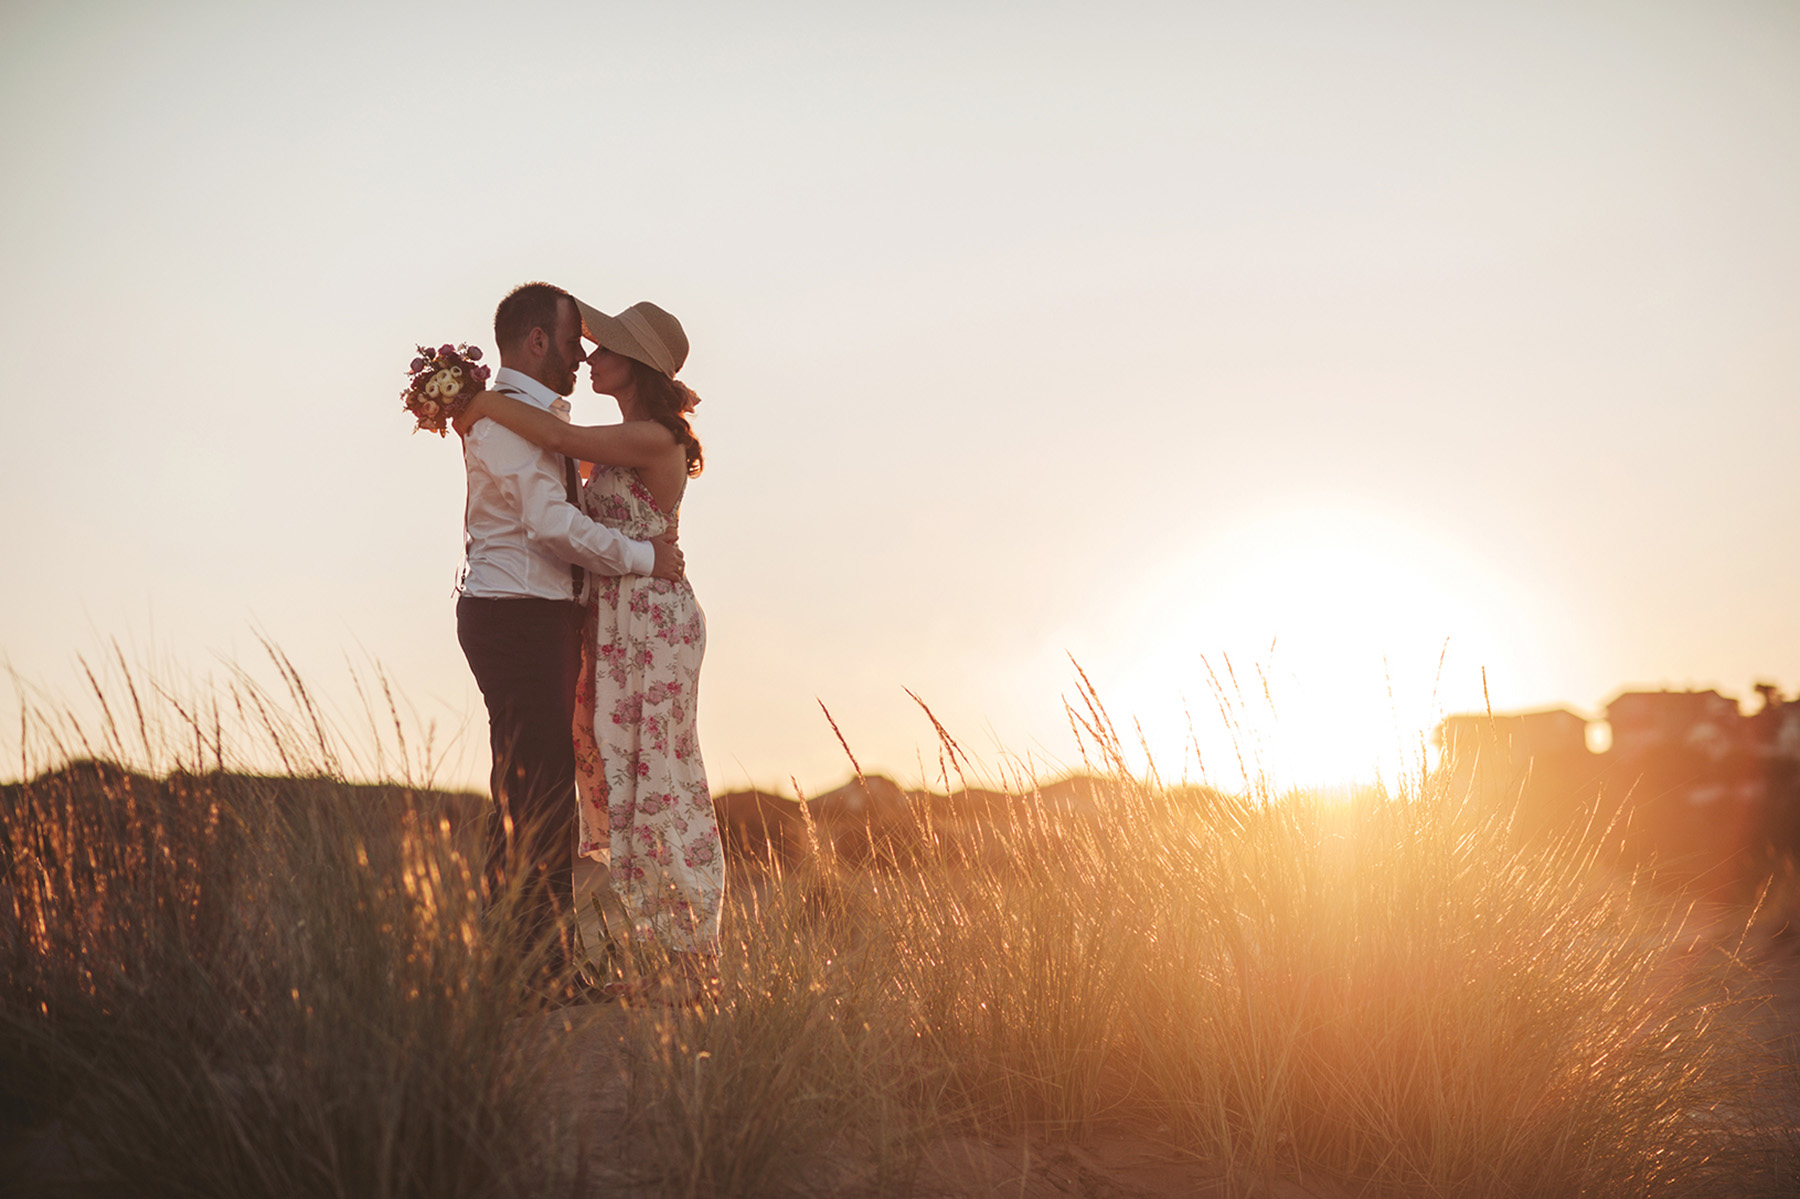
(228, 985)
(1388, 993)
(234, 988)
(225, 983)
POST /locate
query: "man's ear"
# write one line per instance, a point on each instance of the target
(537, 342)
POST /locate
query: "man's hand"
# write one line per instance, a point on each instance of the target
(669, 560)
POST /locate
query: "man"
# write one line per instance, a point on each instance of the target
(527, 551)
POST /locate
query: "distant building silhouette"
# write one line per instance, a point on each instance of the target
(1650, 722)
(1518, 736)
(1709, 794)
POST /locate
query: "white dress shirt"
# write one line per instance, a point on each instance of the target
(520, 533)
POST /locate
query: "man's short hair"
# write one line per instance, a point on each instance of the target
(528, 306)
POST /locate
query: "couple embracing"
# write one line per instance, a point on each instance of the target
(578, 622)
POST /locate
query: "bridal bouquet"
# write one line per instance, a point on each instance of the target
(441, 383)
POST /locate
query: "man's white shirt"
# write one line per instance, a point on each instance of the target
(520, 533)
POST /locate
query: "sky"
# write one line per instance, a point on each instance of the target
(1298, 371)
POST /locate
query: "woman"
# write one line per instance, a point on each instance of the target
(644, 797)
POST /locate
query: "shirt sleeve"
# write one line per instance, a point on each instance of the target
(527, 479)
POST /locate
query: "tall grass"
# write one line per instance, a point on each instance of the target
(1393, 992)
(231, 985)
(228, 984)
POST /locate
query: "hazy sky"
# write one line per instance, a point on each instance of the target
(1138, 333)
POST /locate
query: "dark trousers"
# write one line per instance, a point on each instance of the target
(526, 655)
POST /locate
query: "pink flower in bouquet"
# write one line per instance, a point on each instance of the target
(442, 380)
(474, 354)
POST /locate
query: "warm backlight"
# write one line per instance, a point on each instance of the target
(1313, 648)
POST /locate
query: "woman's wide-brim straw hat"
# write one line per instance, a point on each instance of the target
(643, 332)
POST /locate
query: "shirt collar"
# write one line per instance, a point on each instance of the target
(530, 390)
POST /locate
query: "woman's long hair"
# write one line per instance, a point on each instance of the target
(666, 399)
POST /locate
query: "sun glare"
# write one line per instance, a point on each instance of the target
(1314, 648)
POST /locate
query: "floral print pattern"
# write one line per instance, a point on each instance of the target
(644, 803)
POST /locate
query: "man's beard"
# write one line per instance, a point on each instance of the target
(559, 373)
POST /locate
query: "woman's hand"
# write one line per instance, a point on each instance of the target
(671, 563)
(474, 410)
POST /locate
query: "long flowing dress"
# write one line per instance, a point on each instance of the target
(645, 806)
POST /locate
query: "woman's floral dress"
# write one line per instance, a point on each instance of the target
(644, 800)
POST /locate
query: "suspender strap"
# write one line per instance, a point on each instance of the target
(572, 484)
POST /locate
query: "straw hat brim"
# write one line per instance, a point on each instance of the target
(634, 338)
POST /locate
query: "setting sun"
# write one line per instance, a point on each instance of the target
(1319, 643)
